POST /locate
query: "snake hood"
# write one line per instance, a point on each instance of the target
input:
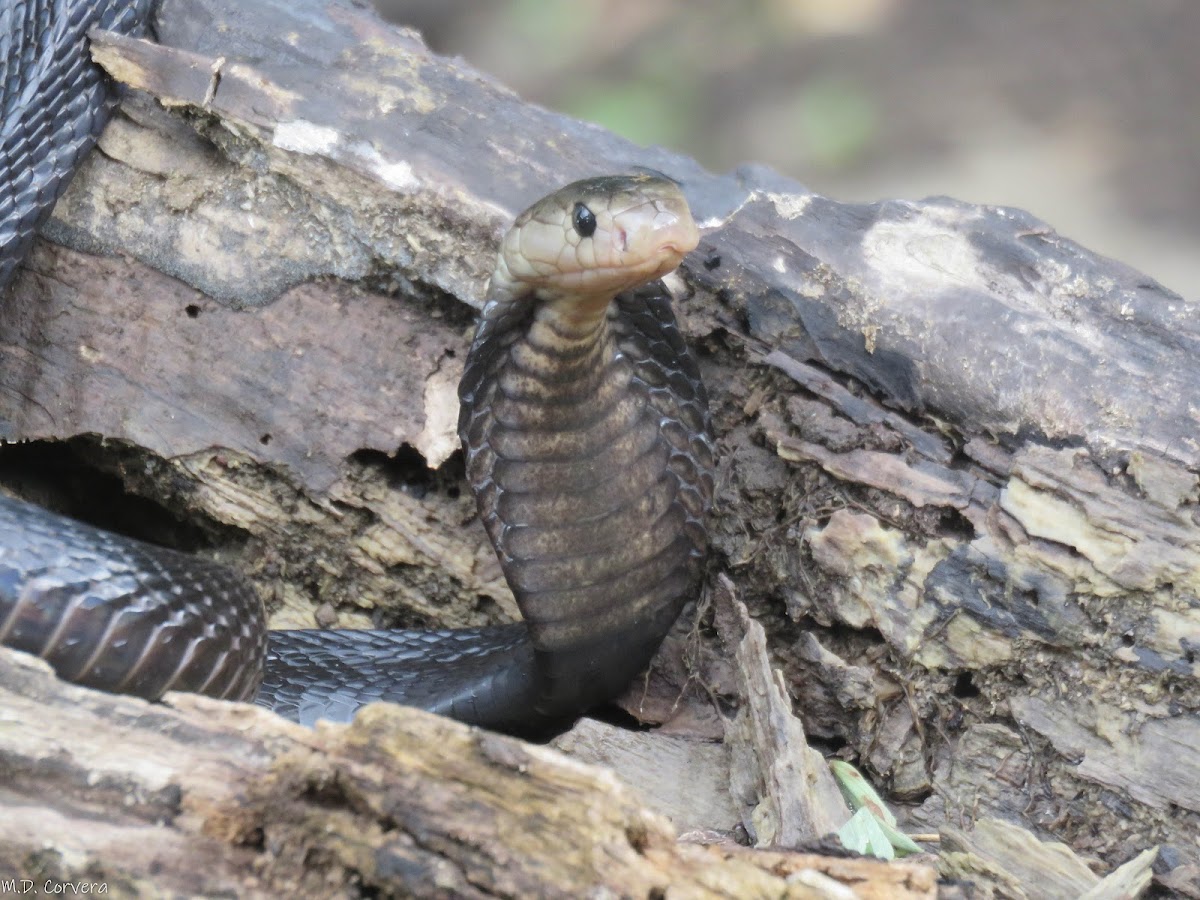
(586, 431)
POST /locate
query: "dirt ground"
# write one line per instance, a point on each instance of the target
(1084, 112)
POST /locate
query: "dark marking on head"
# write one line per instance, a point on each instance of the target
(654, 173)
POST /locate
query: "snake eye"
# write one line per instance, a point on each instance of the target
(584, 221)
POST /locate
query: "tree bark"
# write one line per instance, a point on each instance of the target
(959, 478)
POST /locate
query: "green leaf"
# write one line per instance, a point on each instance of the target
(862, 834)
(865, 802)
(858, 791)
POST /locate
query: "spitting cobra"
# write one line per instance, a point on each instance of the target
(586, 437)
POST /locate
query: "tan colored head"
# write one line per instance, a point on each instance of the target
(597, 237)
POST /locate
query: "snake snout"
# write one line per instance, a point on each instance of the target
(663, 232)
(673, 236)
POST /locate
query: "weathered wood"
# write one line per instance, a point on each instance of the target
(960, 482)
(198, 797)
(684, 778)
(784, 785)
(1033, 868)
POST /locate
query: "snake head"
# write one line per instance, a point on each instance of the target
(594, 238)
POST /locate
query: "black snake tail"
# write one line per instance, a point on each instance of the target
(54, 103)
(103, 610)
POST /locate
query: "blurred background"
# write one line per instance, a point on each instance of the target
(1084, 112)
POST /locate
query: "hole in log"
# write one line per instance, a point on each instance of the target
(88, 478)
(964, 686)
(406, 470)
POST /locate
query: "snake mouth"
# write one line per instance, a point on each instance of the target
(623, 275)
(669, 253)
(674, 251)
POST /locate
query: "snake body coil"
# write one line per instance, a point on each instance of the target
(588, 447)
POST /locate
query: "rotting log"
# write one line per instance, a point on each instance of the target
(959, 487)
(196, 797)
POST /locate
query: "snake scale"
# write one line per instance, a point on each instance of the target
(584, 424)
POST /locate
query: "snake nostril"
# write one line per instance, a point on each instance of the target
(623, 239)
